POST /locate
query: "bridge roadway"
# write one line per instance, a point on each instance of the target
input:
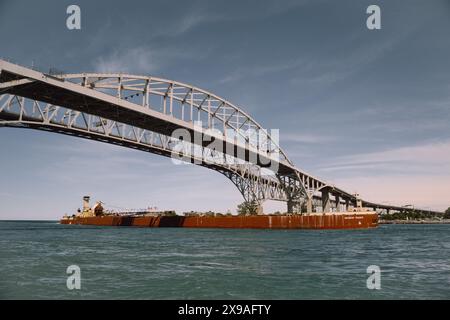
(104, 106)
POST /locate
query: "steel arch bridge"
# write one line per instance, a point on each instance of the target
(158, 116)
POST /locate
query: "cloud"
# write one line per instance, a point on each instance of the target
(205, 13)
(261, 70)
(317, 71)
(307, 138)
(147, 59)
(418, 175)
(187, 22)
(140, 59)
(421, 191)
(433, 158)
(320, 71)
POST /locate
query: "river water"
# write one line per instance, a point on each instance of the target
(134, 263)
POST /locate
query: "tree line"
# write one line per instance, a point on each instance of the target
(415, 215)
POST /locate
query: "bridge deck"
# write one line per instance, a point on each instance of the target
(59, 91)
(49, 89)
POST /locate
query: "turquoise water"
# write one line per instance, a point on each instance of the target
(132, 263)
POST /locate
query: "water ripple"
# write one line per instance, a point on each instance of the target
(131, 263)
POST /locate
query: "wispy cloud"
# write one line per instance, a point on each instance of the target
(141, 59)
(433, 158)
(320, 72)
(418, 175)
(307, 138)
(421, 191)
(147, 59)
(261, 70)
(317, 71)
(204, 13)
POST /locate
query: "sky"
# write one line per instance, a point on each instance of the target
(366, 110)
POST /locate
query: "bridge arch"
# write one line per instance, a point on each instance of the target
(142, 112)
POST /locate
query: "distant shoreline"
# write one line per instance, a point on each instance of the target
(445, 221)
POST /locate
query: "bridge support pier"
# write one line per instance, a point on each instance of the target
(309, 205)
(338, 203)
(295, 206)
(326, 203)
(290, 206)
(259, 209)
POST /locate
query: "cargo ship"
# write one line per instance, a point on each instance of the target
(357, 218)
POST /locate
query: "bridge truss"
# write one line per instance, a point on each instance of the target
(154, 115)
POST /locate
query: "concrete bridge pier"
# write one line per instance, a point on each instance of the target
(293, 206)
(259, 209)
(297, 207)
(338, 203)
(326, 202)
(309, 205)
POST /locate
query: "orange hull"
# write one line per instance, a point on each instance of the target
(316, 221)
